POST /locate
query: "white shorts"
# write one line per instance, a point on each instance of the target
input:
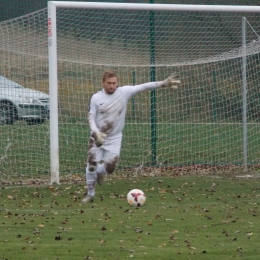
(109, 151)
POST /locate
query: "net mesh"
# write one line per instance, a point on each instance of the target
(199, 124)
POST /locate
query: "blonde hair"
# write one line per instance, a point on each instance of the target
(109, 74)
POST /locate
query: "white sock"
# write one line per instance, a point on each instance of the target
(91, 181)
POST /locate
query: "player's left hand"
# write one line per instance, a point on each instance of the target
(173, 81)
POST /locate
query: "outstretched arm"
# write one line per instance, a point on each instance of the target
(173, 81)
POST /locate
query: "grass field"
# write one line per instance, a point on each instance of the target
(189, 217)
(177, 145)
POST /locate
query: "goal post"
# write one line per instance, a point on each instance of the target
(234, 54)
(244, 89)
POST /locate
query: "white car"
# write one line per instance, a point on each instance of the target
(20, 103)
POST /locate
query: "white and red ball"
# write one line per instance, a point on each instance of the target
(136, 198)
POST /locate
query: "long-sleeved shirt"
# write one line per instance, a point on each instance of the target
(107, 111)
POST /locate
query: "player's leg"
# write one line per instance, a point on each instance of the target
(91, 171)
(106, 168)
(111, 149)
(91, 176)
(108, 153)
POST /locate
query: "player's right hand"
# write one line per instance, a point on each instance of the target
(173, 81)
(99, 138)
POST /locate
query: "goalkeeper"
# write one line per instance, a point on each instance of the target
(106, 118)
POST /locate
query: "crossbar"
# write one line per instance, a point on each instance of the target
(157, 7)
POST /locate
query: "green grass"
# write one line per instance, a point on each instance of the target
(189, 217)
(177, 145)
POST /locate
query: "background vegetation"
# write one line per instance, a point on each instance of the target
(13, 8)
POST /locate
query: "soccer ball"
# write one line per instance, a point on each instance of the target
(136, 198)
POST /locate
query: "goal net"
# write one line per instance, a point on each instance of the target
(199, 127)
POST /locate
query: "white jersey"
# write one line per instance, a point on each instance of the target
(107, 111)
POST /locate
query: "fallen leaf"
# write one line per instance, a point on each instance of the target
(103, 228)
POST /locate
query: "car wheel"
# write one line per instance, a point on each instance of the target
(35, 121)
(7, 113)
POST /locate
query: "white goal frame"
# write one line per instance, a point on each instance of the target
(52, 48)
